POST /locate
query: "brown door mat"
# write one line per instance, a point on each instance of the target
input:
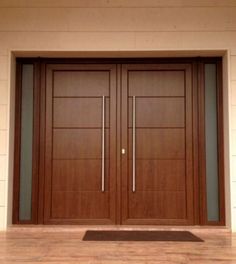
(177, 236)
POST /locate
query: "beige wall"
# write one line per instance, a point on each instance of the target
(147, 27)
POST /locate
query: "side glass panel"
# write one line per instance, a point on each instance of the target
(26, 143)
(211, 135)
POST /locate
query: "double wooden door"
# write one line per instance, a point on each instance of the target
(118, 146)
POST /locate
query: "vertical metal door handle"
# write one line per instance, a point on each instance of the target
(134, 136)
(103, 143)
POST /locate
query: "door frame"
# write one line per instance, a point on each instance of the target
(197, 65)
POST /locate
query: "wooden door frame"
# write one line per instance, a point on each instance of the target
(220, 142)
(17, 142)
(200, 217)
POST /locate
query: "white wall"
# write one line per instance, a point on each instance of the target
(197, 26)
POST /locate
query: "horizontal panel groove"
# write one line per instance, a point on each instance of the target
(89, 97)
(156, 96)
(83, 159)
(141, 127)
(156, 159)
(106, 127)
(177, 128)
(160, 191)
(84, 191)
(81, 71)
(179, 220)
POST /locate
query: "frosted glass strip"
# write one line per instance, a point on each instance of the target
(26, 142)
(211, 143)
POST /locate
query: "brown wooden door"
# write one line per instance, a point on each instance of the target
(156, 182)
(161, 189)
(74, 144)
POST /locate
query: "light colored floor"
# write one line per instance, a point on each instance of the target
(56, 245)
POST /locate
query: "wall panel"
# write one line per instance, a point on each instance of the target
(233, 92)
(3, 92)
(233, 68)
(3, 142)
(3, 116)
(118, 19)
(2, 167)
(2, 193)
(234, 168)
(3, 67)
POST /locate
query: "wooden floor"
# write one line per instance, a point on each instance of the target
(56, 245)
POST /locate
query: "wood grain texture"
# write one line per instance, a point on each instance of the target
(163, 138)
(78, 175)
(158, 81)
(157, 175)
(79, 112)
(95, 82)
(73, 182)
(159, 143)
(169, 112)
(79, 205)
(78, 143)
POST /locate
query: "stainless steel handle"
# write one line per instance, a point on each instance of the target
(103, 143)
(134, 136)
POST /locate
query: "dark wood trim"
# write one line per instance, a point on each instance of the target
(42, 144)
(196, 190)
(35, 148)
(124, 142)
(16, 180)
(115, 60)
(220, 123)
(119, 146)
(201, 142)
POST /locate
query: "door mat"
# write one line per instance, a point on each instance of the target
(176, 236)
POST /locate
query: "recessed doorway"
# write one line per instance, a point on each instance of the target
(119, 142)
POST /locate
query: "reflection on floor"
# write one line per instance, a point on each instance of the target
(56, 245)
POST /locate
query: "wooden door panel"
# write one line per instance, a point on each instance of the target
(166, 205)
(155, 82)
(70, 112)
(163, 144)
(169, 112)
(158, 175)
(79, 143)
(158, 143)
(157, 180)
(81, 82)
(74, 126)
(78, 175)
(80, 205)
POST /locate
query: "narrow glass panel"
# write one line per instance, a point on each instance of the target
(211, 143)
(26, 142)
